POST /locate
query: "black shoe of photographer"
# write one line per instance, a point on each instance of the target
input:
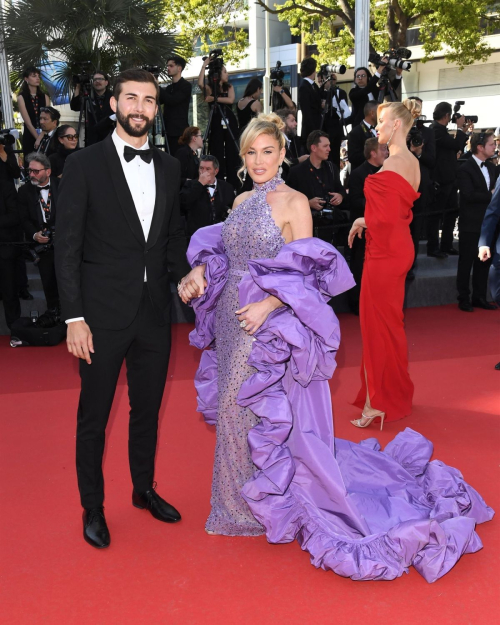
(25, 294)
(451, 252)
(95, 530)
(465, 306)
(482, 303)
(158, 507)
(437, 254)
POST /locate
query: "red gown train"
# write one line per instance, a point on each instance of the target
(389, 256)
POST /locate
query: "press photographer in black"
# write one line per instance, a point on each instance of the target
(175, 98)
(445, 206)
(366, 89)
(309, 99)
(336, 113)
(319, 180)
(359, 134)
(36, 202)
(98, 109)
(281, 97)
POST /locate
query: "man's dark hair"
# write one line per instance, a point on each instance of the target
(314, 138)
(134, 75)
(479, 138)
(54, 114)
(99, 73)
(39, 157)
(415, 97)
(371, 145)
(284, 113)
(251, 88)
(370, 106)
(178, 60)
(442, 109)
(365, 69)
(211, 158)
(308, 67)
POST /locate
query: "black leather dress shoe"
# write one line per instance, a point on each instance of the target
(437, 254)
(482, 303)
(451, 252)
(95, 530)
(465, 306)
(25, 294)
(158, 507)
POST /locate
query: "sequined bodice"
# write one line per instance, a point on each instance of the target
(250, 230)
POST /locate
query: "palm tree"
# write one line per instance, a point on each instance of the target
(110, 34)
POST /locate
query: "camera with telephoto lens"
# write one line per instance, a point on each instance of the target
(84, 78)
(277, 75)
(6, 138)
(152, 69)
(215, 65)
(42, 247)
(469, 119)
(326, 71)
(397, 58)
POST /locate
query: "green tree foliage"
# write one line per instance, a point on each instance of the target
(112, 34)
(456, 25)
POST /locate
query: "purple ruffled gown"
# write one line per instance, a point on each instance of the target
(360, 511)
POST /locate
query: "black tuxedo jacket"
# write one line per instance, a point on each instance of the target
(100, 249)
(175, 99)
(474, 195)
(310, 105)
(356, 140)
(200, 211)
(190, 163)
(30, 213)
(10, 224)
(447, 148)
(357, 198)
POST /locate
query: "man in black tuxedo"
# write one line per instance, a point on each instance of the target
(37, 204)
(206, 201)
(476, 181)
(359, 134)
(365, 90)
(97, 122)
(490, 235)
(309, 99)
(10, 231)
(49, 121)
(336, 115)
(295, 152)
(375, 154)
(175, 98)
(118, 231)
(444, 210)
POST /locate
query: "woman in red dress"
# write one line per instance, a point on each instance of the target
(386, 389)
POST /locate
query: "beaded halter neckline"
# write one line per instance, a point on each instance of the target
(270, 185)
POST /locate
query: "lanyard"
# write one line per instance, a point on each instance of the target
(46, 205)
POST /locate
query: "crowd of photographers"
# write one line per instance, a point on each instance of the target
(329, 162)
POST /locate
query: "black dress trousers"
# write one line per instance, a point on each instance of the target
(468, 261)
(145, 347)
(9, 289)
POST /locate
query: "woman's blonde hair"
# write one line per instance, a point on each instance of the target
(406, 111)
(264, 124)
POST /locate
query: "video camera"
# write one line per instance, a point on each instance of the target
(153, 69)
(326, 71)
(84, 78)
(43, 247)
(7, 137)
(468, 118)
(277, 75)
(215, 65)
(396, 59)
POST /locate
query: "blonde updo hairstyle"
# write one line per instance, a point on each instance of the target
(407, 111)
(264, 124)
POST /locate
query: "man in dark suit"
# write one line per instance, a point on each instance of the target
(37, 204)
(309, 99)
(206, 201)
(118, 234)
(444, 210)
(359, 134)
(97, 122)
(319, 180)
(365, 90)
(49, 121)
(10, 231)
(336, 115)
(375, 155)
(175, 98)
(476, 181)
(490, 234)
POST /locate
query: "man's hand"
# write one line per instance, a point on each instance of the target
(336, 198)
(79, 340)
(317, 203)
(3, 153)
(205, 178)
(39, 139)
(484, 253)
(277, 89)
(461, 122)
(40, 238)
(356, 229)
(193, 285)
(416, 149)
(380, 68)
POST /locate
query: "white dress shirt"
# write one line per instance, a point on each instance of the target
(484, 170)
(212, 191)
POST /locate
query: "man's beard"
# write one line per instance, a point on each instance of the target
(291, 133)
(124, 121)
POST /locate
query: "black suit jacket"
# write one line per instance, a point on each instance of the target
(10, 224)
(175, 99)
(310, 105)
(98, 125)
(491, 221)
(302, 179)
(100, 249)
(49, 146)
(475, 196)
(447, 147)
(30, 213)
(200, 211)
(356, 140)
(357, 198)
(190, 163)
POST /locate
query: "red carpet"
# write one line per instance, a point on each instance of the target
(155, 573)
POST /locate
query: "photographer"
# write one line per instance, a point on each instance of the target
(249, 106)
(10, 232)
(49, 121)
(9, 166)
(356, 139)
(295, 152)
(175, 98)
(335, 116)
(207, 200)
(444, 209)
(36, 203)
(221, 139)
(95, 96)
(365, 89)
(30, 100)
(309, 99)
(187, 153)
(319, 180)
(281, 96)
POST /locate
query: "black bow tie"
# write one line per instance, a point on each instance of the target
(130, 153)
(44, 188)
(210, 186)
(483, 164)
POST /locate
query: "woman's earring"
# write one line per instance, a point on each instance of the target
(280, 170)
(392, 134)
(244, 174)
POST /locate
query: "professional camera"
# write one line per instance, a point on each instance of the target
(152, 69)
(215, 65)
(43, 247)
(415, 137)
(325, 71)
(277, 75)
(468, 118)
(84, 78)
(6, 138)
(396, 59)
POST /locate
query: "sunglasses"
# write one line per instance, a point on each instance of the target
(73, 137)
(35, 171)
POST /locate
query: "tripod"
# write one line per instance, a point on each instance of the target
(86, 108)
(160, 125)
(385, 87)
(216, 105)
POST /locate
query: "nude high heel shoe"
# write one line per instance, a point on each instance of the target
(357, 422)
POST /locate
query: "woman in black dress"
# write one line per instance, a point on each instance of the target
(249, 106)
(67, 143)
(30, 100)
(190, 142)
(220, 142)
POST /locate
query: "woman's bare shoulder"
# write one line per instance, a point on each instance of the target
(241, 198)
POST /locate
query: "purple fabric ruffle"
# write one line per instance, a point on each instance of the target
(359, 511)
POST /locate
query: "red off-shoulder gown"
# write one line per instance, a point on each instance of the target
(389, 256)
